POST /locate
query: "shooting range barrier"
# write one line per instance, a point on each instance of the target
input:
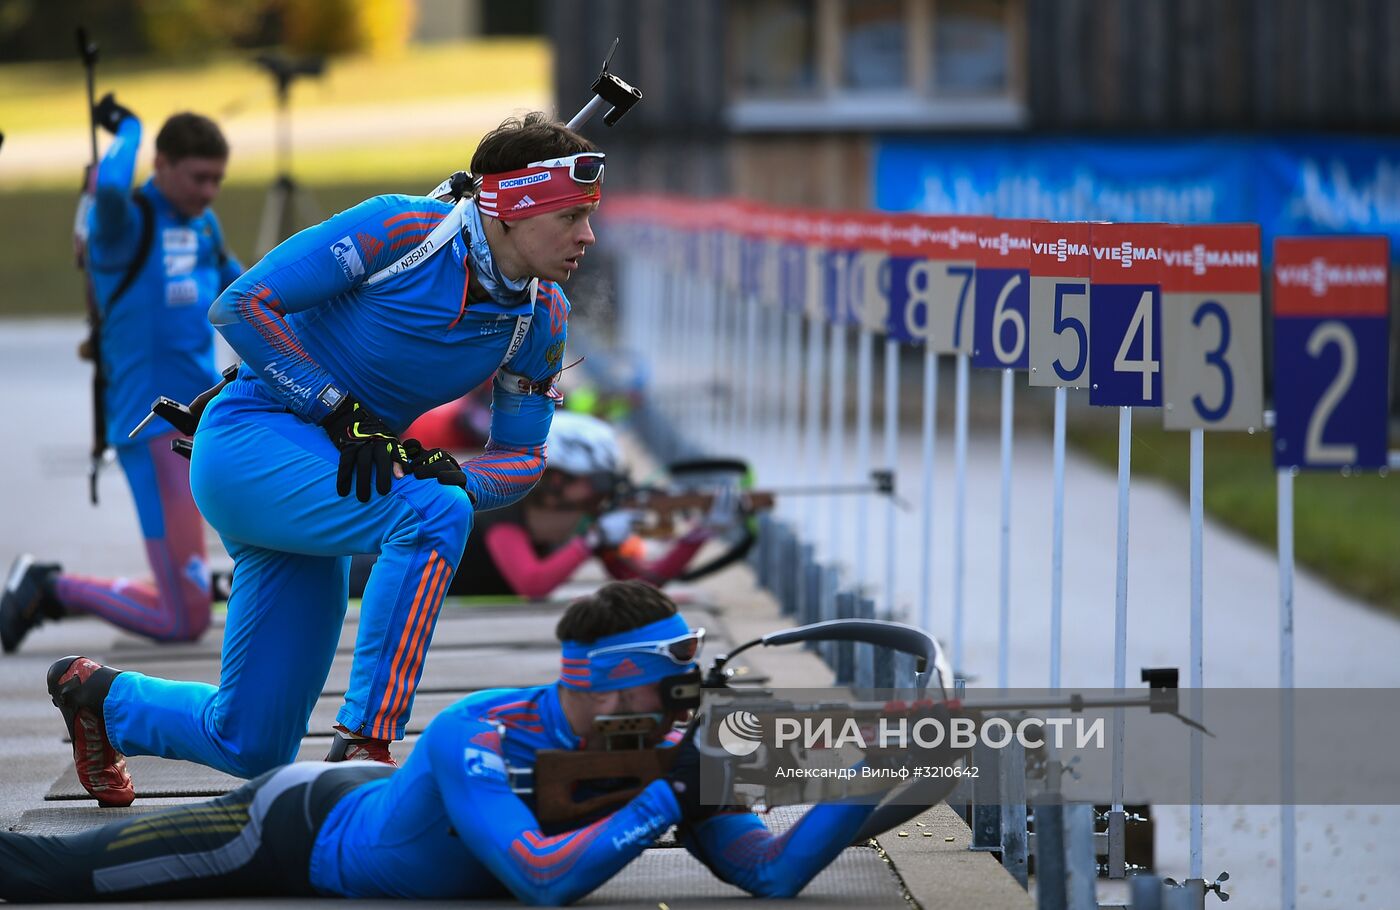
(741, 315)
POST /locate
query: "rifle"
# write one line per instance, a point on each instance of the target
(661, 506)
(91, 347)
(627, 766)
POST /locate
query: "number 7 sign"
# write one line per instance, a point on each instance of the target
(1331, 351)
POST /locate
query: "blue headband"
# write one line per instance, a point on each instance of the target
(623, 669)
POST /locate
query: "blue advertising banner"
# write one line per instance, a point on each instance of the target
(1289, 185)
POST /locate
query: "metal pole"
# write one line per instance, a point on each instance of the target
(959, 503)
(792, 417)
(865, 356)
(812, 415)
(836, 438)
(1197, 495)
(930, 448)
(1120, 599)
(1057, 540)
(1004, 587)
(1288, 847)
(892, 461)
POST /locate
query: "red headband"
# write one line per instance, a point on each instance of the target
(533, 191)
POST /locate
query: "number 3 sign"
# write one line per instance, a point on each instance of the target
(1212, 348)
(1331, 337)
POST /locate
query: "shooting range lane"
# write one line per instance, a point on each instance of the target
(473, 647)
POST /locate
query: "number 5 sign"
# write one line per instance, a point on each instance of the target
(1212, 349)
(1331, 337)
(1125, 308)
(1060, 258)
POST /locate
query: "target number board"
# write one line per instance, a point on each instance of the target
(1331, 351)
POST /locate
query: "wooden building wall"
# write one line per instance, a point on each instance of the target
(1213, 64)
(1092, 66)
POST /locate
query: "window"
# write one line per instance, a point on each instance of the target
(970, 48)
(873, 56)
(876, 64)
(777, 46)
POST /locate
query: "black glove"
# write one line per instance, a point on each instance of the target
(426, 464)
(368, 449)
(108, 114)
(684, 778)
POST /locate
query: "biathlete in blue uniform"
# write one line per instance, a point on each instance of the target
(348, 331)
(156, 259)
(448, 824)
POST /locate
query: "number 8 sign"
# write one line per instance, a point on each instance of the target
(1331, 337)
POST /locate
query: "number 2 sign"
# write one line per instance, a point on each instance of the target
(1331, 338)
(1125, 308)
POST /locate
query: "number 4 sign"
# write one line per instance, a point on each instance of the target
(1212, 349)
(1125, 308)
(1331, 337)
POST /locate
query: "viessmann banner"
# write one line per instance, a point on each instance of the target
(1290, 186)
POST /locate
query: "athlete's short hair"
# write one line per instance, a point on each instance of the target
(618, 606)
(521, 140)
(190, 135)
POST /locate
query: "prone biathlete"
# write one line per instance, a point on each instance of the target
(536, 545)
(156, 260)
(337, 361)
(448, 823)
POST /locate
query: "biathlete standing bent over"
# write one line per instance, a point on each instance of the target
(336, 362)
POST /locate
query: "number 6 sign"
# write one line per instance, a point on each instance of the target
(1331, 338)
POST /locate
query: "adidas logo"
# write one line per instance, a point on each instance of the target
(524, 203)
(624, 669)
(370, 244)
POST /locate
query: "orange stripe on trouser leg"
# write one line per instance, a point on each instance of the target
(408, 681)
(423, 585)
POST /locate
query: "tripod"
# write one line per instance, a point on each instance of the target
(285, 196)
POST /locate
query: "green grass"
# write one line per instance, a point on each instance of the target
(50, 96)
(1346, 529)
(36, 257)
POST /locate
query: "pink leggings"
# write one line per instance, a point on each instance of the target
(176, 606)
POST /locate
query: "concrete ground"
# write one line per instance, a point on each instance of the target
(44, 507)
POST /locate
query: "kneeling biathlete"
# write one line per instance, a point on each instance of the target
(448, 823)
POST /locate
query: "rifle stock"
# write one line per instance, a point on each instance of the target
(560, 773)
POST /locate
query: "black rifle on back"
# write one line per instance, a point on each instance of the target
(91, 349)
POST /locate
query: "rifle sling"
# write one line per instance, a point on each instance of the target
(143, 248)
